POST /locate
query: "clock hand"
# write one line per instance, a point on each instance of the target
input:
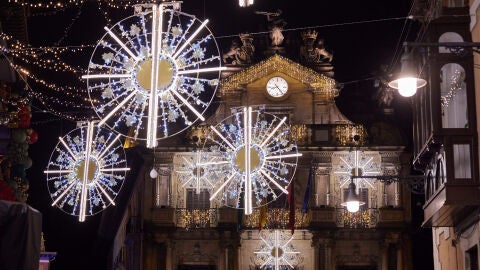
(278, 88)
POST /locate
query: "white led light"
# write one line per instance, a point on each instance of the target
(86, 171)
(243, 141)
(154, 74)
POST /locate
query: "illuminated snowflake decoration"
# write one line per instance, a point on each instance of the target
(261, 157)
(276, 251)
(162, 49)
(356, 163)
(199, 170)
(86, 171)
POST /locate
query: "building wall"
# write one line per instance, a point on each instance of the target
(449, 248)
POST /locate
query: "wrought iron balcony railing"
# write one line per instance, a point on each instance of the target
(196, 218)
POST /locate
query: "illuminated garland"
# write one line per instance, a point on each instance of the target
(276, 218)
(47, 5)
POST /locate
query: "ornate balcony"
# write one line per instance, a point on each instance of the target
(196, 218)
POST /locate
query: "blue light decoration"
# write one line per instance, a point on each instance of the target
(261, 155)
(86, 170)
(158, 48)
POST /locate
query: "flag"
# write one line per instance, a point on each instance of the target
(306, 197)
(291, 205)
(262, 219)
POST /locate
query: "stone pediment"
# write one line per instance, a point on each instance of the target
(319, 83)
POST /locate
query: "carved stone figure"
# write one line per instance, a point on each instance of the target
(275, 26)
(314, 55)
(240, 55)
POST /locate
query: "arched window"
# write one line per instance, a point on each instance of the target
(449, 37)
(453, 96)
(455, 3)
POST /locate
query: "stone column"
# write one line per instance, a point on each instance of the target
(384, 253)
(399, 257)
(329, 262)
(397, 194)
(317, 253)
(170, 255)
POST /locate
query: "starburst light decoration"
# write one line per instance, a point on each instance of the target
(86, 171)
(261, 158)
(160, 67)
(356, 163)
(276, 251)
(200, 170)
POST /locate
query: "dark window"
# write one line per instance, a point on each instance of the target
(198, 200)
(472, 258)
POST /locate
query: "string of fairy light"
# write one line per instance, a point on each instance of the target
(50, 57)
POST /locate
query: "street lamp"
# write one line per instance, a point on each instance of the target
(352, 201)
(416, 183)
(245, 3)
(409, 81)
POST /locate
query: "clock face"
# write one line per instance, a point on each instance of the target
(277, 87)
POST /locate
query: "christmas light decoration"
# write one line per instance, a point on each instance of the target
(276, 251)
(160, 66)
(200, 170)
(356, 163)
(86, 171)
(245, 3)
(261, 158)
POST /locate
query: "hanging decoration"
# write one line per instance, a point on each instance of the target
(261, 158)
(86, 170)
(245, 3)
(200, 170)
(356, 163)
(162, 49)
(276, 251)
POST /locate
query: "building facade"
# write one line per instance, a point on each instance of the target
(446, 131)
(173, 225)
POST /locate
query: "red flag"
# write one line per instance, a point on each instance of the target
(291, 205)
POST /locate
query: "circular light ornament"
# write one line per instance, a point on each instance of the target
(86, 171)
(153, 74)
(276, 251)
(261, 156)
(200, 170)
(356, 163)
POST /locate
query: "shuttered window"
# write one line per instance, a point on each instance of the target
(198, 200)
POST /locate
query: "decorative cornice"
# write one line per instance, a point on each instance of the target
(319, 83)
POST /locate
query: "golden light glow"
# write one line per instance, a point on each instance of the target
(165, 74)
(92, 168)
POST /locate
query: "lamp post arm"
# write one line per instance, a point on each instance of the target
(416, 183)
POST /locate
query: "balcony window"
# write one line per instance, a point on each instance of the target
(453, 96)
(455, 3)
(161, 189)
(462, 162)
(197, 200)
(471, 258)
(449, 37)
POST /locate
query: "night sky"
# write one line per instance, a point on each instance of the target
(362, 35)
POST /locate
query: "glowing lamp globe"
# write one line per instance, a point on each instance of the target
(407, 86)
(352, 201)
(408, 83)
(353, 206)
(153, 173)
